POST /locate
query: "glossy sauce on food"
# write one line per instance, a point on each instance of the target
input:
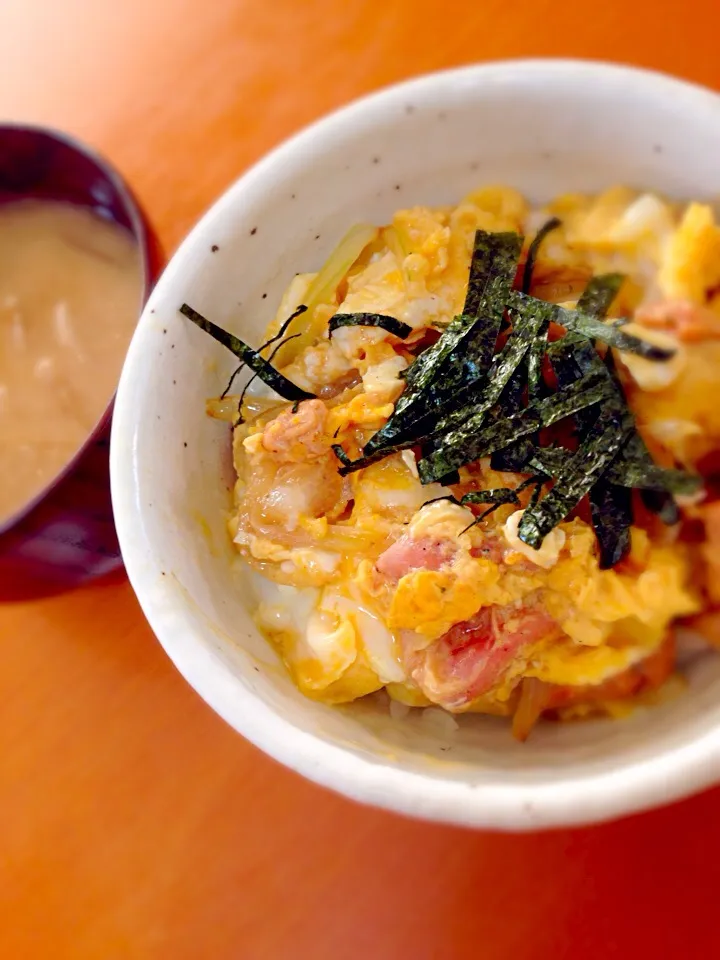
(70, 294)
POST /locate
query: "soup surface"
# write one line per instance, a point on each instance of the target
(70, 293)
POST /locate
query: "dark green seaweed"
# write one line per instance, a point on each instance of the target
(534, 362)
(352, 466)
(583, 469)
(597, 297)
(632, 474)
(504, 364)
(612, 516)
(278, 336)
(396, 327)
(493, 255)
(661, 503)
(243, 393)
(297, 312)
(467, 443)
(610, 505)
(644, 475)
(514, 457)
(577, 357)
(533, 249)
(497, 498)
(595, 329)
(463, 352)
(343, 457)
(251, 358)
(463, 401)
(499, 495)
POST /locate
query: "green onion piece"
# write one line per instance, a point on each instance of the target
(396, 327)
(533, 249)
(268, 374)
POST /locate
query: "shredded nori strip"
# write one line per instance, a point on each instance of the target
(499, 495)
(641, 475)
(241, 398)
(534, 361)
(278, 336)
(598, 295)
(396, 327)
(297, 312)
(460, 357)
(450, 478)
(585, 467)
(230, 382)
(546, 228)
(595, 329)
(344, 459)
(493, 255)
(596, 299)
(268, 374)
(465, 444)
(352, 466)
(462, 401)
(514, 457)
(612, 516)
(504, 364)
(661, 503)
(631, 474)
(610, 505)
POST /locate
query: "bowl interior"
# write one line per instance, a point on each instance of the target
(544, 128)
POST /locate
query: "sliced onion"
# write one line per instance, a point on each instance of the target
(535, 697)
(324, 287)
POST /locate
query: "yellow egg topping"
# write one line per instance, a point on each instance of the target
(379, 582)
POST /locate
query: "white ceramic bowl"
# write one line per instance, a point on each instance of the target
(543, 126)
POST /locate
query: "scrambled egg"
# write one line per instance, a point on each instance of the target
(346, 621)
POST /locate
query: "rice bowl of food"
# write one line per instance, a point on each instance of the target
(446, 541)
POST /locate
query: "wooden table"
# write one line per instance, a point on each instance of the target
(133, 822)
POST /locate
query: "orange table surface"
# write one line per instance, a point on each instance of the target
(133, 822)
